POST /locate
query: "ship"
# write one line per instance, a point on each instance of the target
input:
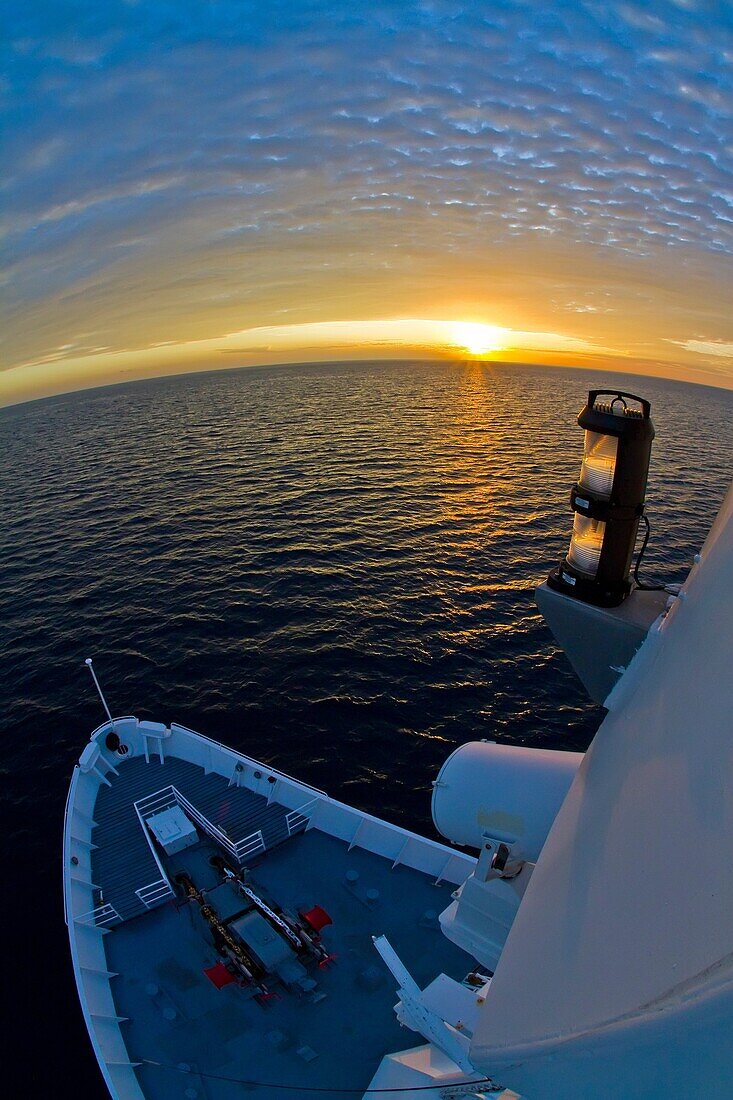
(235, 931)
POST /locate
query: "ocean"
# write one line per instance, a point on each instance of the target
(330, 567)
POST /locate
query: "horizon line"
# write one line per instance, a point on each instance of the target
(724, 385)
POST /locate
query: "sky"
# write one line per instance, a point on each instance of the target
(201, 185)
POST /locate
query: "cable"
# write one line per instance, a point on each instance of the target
(485, 1081)
(640, 584)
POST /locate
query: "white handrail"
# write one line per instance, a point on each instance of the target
(100, 916)
(149, 839)
(291, 818)
(109, 725)
(236, 848)
(207, 825)
(250, 845)
(152, 803)
(154, 891)
(66, 836)
(170, 796)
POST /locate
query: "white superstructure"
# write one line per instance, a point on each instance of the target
(617, 975)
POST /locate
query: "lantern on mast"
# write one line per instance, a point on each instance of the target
(608, 498)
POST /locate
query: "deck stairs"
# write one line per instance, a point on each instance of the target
(124, 867)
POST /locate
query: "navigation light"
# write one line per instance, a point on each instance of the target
(608, 498)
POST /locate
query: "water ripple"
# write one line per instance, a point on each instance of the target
(330, 567)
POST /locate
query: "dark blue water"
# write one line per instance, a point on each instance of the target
(329, 567)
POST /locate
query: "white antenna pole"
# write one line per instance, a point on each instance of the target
(88, 663)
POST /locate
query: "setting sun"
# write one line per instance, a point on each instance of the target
(478, 339)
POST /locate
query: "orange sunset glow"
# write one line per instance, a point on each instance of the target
(267, 193)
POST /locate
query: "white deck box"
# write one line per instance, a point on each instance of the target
(172, 829)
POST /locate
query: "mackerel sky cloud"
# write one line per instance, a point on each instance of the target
(178, 172)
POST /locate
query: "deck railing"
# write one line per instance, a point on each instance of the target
(101, 917)
(67, 838)
(109, 725)
(206, 825)
(250, 846)
(170, 796)
(155, 892)
(296, 819)
(242, 758)
(154, 803)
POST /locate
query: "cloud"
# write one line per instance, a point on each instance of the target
(707, 347)
(433, 335)
(181, 170)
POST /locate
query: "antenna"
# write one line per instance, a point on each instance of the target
(88, 663)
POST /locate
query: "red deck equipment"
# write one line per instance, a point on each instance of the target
(219, 976)
(317, 918)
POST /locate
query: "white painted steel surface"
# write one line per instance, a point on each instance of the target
(86, 940)
(505, 792)
(617, 976)
(173, 830)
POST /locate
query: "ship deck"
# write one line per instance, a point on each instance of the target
(122, 859)
(207, 1042)
(327, 1030)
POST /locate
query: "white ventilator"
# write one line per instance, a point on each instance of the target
(504, 792)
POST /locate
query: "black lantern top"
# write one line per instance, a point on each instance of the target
(615, 417)
(633, 428)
